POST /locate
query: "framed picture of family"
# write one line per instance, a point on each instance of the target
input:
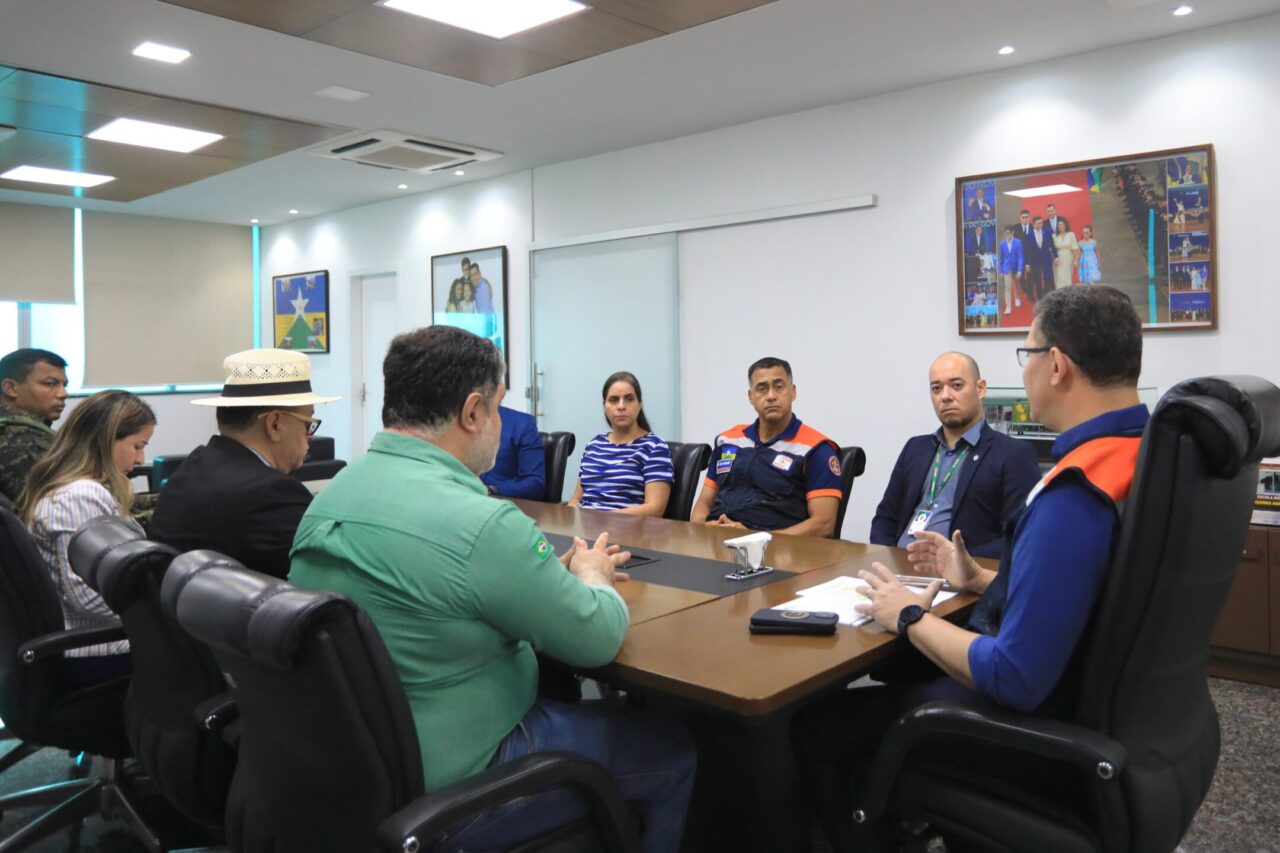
(1143, 223)
(469, 290)
(300, 305)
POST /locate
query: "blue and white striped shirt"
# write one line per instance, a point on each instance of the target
(613, 476)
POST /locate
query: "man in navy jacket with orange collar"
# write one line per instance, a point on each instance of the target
(966, 476)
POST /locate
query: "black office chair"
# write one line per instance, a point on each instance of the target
(323, 469)
(40, 712)
(162, 468)
(853, 461)
(689, 461)
(559, 447)
(178, 702)
(319, 448)
(329, 756)
(1130, 767)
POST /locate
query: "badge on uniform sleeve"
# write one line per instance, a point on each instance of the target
(542, 548)
(725, 462)
(782, 462)
(834, 464)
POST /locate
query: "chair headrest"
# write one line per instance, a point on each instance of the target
(225, 605)
(1235, 419)
(97, 538)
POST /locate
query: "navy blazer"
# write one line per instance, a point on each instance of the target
(994, 482)
(520, 470)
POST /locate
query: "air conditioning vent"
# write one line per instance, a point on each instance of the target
(388, 149)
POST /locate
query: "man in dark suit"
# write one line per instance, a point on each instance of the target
(1051, 219)
(1038, 254)
(234, 494)
(520, 470)
(966, 476)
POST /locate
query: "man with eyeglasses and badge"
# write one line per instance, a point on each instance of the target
(234, 494)
(1080, 366)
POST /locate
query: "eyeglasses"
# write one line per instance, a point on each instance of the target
(1023, 352)
(313, 424)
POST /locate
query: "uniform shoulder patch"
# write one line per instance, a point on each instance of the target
(542, 547)
(834, 464)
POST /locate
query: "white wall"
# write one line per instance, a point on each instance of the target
(401, 236)
(859, 301)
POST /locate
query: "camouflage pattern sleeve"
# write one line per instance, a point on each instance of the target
(20, 448)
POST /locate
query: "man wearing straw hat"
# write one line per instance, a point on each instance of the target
(234, 494)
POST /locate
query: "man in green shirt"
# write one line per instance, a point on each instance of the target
(464, 588)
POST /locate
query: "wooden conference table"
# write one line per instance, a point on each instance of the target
(691, 652)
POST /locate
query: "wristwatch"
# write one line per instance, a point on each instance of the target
(908, 616)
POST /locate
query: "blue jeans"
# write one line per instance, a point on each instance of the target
(650, 757)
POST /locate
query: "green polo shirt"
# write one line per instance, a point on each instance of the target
(462, 587)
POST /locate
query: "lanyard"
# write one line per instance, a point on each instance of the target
(934, 486)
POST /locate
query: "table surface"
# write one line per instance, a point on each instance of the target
(647, 601)
(695, 646)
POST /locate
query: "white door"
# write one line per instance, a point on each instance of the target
(597, 309)
(378, 325)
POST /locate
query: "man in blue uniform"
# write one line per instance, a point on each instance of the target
(776, 473)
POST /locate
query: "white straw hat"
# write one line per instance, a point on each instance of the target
(266, 377)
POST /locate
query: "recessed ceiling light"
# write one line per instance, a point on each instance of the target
(41, 175)
(459, 173)
(293, 210)
(1006, 50)
(402, 187)
(149, 134)
(495, 18)
(253, 221)
(1052, 189)
(1183, 10)
(161, 52)
(341, 93)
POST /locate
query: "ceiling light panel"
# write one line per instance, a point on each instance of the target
(1052, 189)
(342, 93)
(161, 52)
(41, 175)
(152, 135)
(494, 18)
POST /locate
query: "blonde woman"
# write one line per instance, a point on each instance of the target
(1068, 255)
(84, 476)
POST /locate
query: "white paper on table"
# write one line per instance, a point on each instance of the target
(840, 596)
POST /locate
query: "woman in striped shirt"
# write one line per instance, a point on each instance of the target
(628, 469)
(86, 475)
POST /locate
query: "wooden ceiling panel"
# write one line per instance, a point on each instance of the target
(363, 27)
(44, 118)
(28, 146)
(398, 37)
(583, 35)
(292, 17)
(54, 114)
(670, 16)
(35, 88)
(498, 65)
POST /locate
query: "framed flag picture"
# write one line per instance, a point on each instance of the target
(1143, 223)
(300, 303)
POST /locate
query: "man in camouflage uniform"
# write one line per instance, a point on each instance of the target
(34, 387)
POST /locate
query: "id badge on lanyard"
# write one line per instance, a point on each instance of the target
(920, 521)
